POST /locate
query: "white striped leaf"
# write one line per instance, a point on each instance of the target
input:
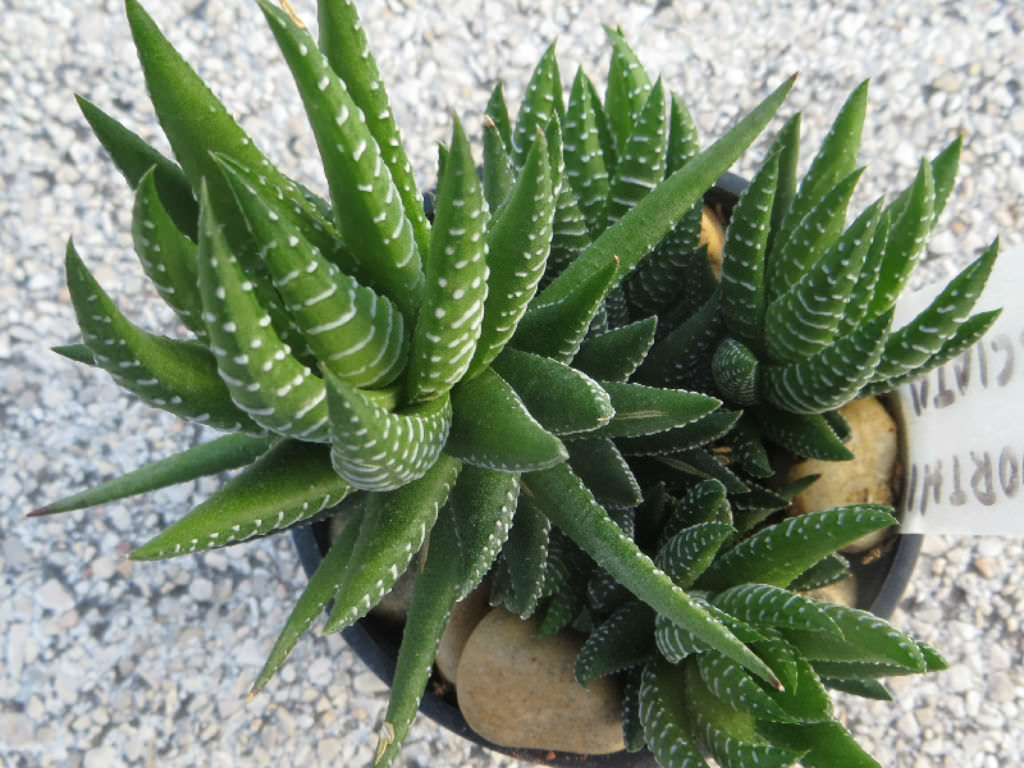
(775, 607)
(584, 161)
(831, 377)
(627, 91)
(806, 435)
(168, 257)
(642, 410)
(518, 241)
(907, 235)
(561, 398)
(491, 428)
(345, 46)
(916, 342)
(542, 101)
(367, 205)
(498, 175)
(663, 713)
(569, 231)
(835, 159)
(524, 558)
(735, 688)
(179, 376)
(642, 162)
(497, 111)
(807, 317)
(482, 504)
(781, 552)
(736, 371)
(743, 260)
(394, 528)
(687, 554)
(450, 317)
(377, 450)
(810, 239)
(730, 736)
(318, 593)
(357, 335)
(623, 640)
(292, 483)
(265, 380)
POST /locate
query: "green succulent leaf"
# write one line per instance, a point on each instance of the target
(735, 688)
(787, 146)
(584, 161)
(907, 235)
(775, 607)
(672, 441)
(491, 428)
(832, 376)
(777, 554)
(866, 638)
(736, 371)
(318, 593)
(836, 158)
(606, 473)
(293, 483)
(498, 174)
(197, 125)
(729, 735)
(358, 335)
(134, 158)
(915, 343)
(628, 90)
(743, 262)
(646, 224)
(433, 596)
(806, 318)
(825, 745)
(179, 376)
(782, 658)
(747, 449)
(701, 463)
(497, 111)
(557, 329)
(561, 398)
(687, 554)
(344, 44)
(482, 504)
(966, 336)
(624, 640)
(807, 435)
(367, 205)
(450, 317)
(833, 568)
(218, 455)
(632, 727)
(663, 713)
(265, 380)
(518, 241)
(811, 239)
(377, 450)
(806, 700)
(642, 410)
(642, 164)
(703, 502)
(524, 558)
(541, 102)
(563, 497)
(682, 357)
(614, 355)
(867, 689)
(393, 530)
(168, 257)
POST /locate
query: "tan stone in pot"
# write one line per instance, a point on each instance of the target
(843, 592)
(519, 691)
(867, 479)
(712, 234)
(466, 614)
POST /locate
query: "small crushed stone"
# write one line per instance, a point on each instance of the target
(106, 662)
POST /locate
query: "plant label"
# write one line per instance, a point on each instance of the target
(963, 423)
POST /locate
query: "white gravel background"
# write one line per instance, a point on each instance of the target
(105, 662)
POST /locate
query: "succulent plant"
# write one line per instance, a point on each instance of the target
(544, 384)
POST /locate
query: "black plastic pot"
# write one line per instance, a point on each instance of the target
(880, 583)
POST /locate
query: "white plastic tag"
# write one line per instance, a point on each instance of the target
(963, 423)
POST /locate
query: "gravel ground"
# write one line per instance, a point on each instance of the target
(105, 662)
